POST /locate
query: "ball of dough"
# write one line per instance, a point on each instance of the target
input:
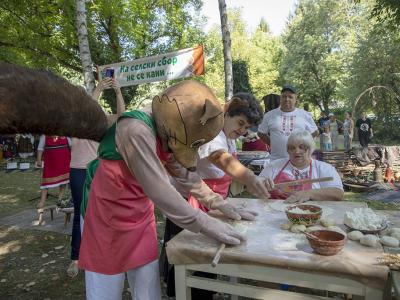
(313, 228)
(369, 240)
(328, 222)
(396, 235)
(394, 230)
(384, 232)
(355, 235)
(286, 226)
(298, 228)
(389, 241)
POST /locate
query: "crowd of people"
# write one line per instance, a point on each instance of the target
(180, 155)
(330, 128)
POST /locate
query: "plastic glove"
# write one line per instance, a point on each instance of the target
(233, 212)
(299, 197)
(221, 232)
(259, 186)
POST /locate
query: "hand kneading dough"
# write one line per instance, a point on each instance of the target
(389, 241)
(298, 228)
(355, 235)
(286, 226)
(369, 240)
(327, 222)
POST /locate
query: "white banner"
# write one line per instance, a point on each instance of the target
(173, 65)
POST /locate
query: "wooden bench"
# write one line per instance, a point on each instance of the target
(68, 211)
(41, 211)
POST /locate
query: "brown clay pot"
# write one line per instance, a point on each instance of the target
(328, 242)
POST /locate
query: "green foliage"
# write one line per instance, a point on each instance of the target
(375, 74)
(256, 55)
(388, 11)
(42, 33)
(241, 81)
(318, 42)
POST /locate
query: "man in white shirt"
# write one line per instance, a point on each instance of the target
(279, 123)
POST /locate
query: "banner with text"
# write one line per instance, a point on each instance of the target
(173, 65)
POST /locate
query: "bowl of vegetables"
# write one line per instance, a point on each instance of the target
(304, 214)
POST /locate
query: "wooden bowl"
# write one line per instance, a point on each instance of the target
(328, 242)
(304, 219)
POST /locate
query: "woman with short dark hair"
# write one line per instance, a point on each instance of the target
(217, 165)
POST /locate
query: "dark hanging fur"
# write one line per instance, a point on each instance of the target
(34, 101)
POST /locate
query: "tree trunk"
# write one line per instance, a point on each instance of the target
(226, 39)
(84, 46)
(325, 102)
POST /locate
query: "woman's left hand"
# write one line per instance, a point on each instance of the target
(299, 197)
(115, 85)
(260, 187)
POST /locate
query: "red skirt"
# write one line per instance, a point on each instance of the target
(57, 157)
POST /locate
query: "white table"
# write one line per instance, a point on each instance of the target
(352, 271)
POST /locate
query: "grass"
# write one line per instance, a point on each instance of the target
(32, 266)
(359, 197)
(21, 190)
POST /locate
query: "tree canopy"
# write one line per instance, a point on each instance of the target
(42, 34)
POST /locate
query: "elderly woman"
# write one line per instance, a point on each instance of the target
(300, 165)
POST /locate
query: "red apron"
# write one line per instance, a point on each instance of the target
(119, 233)
(217, 185)
(56, 160)
(257, 145)
(282, 177)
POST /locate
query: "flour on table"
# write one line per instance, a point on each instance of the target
(241, 227)
(288, 241)
(279, 205)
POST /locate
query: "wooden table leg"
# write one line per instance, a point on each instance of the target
(182, 291)
(233, 280)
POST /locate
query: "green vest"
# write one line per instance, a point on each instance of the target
(108, 151)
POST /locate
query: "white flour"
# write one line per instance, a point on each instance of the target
(279, 205)
(364, 219)
(298, 210)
